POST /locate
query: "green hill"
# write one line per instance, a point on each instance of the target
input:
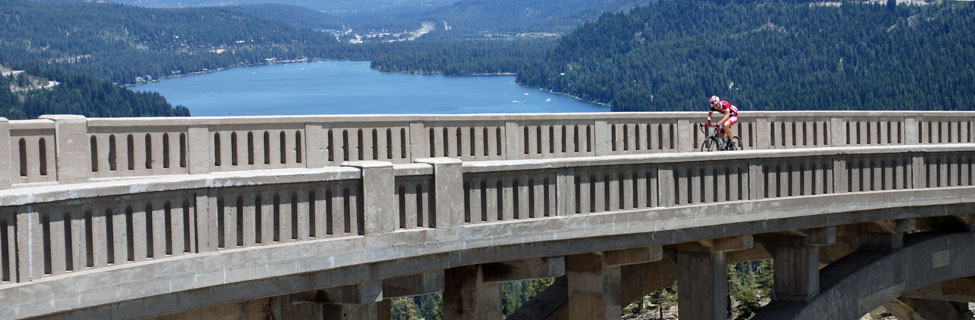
(766, 55)
(30, 94)
(122, 43)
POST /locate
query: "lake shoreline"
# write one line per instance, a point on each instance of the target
(196, 73)
(423, 73)
(352, 87)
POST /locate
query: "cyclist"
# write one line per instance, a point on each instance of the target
(730, 118)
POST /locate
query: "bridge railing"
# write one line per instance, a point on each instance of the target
(75, 149)
(53, 230)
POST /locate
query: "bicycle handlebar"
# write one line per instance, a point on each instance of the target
(707, 125)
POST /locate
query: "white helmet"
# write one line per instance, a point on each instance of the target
(715, 100)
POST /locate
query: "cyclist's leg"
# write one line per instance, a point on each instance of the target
(727, 128)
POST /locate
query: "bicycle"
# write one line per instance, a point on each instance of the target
(712, 142)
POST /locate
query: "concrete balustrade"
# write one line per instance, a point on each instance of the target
(32, 154)
(104, 148)
(49, 232)
(251, 186)
(99, 224)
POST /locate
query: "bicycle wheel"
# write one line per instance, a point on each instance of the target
(736, 144)
(710, 144)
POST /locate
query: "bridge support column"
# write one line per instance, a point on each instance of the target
(797, 263)
(702, 278)
(594, 287)
(467, 296)
(702, 285)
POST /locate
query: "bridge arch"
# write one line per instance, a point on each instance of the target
(868, 279)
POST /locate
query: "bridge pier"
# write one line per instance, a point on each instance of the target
(796, 264)
(702, 281)
(594, 287)
(467, 296)
(702, 278)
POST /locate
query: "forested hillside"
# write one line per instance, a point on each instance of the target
(122, 43)
(456, 57)
(767, 55)
(298, 17)
(514, 16)
(77, 94)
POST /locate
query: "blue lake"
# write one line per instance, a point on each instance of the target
(348, 87)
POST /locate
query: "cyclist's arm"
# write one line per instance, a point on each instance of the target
(709, 115)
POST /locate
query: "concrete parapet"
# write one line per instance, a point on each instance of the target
(685, 130)
(315, 156)
(512, 142)
(199, 142)
(448, 191)
(345, 217)
(762, 134)
(167, 146)
(6, 157)
(377, 184)
(71, 148)
(603, 139)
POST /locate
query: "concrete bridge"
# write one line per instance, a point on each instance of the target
(305, 217)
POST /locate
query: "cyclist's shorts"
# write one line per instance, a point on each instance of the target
(732, 120)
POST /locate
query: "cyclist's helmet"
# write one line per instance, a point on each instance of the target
(715, 100)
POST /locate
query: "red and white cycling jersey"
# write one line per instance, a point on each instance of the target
(723, 106)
